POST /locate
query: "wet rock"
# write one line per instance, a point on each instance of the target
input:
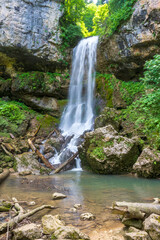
(57, 196)
(136, 41)
(49, 155)
(105, 151)
(148, 164)
(152, 226)
(31, 203)
(27, 162)
(25, 173)
(69, 233)
(87, 216)
(54, 142)
(135, 234)
(137, 223)
(73, 210)
(78, 206)
(51, 223)
(28, 232)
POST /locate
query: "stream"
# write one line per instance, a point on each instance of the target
(95, 192)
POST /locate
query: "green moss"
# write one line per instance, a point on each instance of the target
(62, 104)
(104, 88)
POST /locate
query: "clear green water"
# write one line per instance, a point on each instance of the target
(95, 192)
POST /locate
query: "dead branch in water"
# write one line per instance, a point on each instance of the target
(66, 163)
(20, 217)
(40, 155)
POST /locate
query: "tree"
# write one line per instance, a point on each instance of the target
(73, 10)
(99, 19)
(88, 16)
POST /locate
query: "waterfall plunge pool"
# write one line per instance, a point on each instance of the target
(95, 192)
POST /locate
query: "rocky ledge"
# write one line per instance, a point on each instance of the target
(125, 52)
(32, 39)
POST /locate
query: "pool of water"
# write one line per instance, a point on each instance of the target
(95, 192)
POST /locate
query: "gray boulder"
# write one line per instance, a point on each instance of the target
(148, 164)
(152, 226)
(105, 151)
(27, 162)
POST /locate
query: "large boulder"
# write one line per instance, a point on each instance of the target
(105, 151)
(152, 226)
(32, 37)
(51, 223)
(27, 162)
(44, 104)
(148, 164)
(125, 52)
(27, 232)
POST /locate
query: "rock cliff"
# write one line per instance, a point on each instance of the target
(29, 33)
(125, 52)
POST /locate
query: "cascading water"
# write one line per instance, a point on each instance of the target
(79, 113)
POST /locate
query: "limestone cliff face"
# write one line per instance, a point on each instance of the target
(125, 52)
(29, 32)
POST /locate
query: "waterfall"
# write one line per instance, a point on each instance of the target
(78, 116)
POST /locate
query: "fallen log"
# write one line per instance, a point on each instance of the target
(9, 147)
(40, 155)
(6, 151)
(4, 175)
(37, 130)
(20, 217)
(136, 209)
(66, 163)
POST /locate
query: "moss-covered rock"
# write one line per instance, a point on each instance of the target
(105, 151)
(41, 84)
(108, 116)
(5, 86)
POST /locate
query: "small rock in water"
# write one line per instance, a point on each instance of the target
(24, 173)
(73, 210)
(32, 203)
(78, 206)
(87, 216)
(51, 223)
(57, 196)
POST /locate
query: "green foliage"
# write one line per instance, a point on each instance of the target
(70, 35)
(131, 90)
(152, 73)
(73, 10)
(99, 19)
(144, 112)
(119, 12)
(11, 111)
(88, 16)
